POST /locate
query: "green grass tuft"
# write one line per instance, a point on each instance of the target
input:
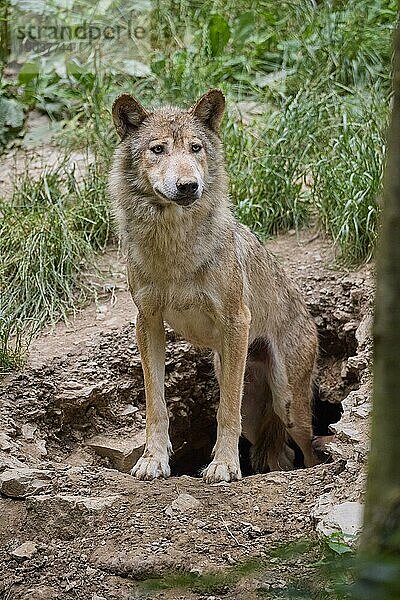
(48, 232)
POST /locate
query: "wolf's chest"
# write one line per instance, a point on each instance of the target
(194, 325)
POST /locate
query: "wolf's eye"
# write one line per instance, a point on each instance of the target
(158, 149)
(196, 147)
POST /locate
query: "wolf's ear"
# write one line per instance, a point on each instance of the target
(209, 109)
(127, 114)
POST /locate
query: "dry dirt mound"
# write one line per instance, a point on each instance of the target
(75, 524)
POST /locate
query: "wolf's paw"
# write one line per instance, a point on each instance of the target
(151, 468)
(218, 471)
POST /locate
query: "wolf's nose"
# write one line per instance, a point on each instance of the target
(187, 187)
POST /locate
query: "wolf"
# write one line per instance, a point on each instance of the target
(192, 265)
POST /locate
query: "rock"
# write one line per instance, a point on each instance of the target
(93, 504)
(73, 401)
(22, 482)
(346, 432)
(61, 516)
(350, 326)
(72, 384)
(26, 550)
(364, 331)
(5, 442)
(137, 562)
(41, 447)
(9, 462)
(275, 477)
(28, 431)
(81, 393)
(330, 518)
(182, 504)
(354, 367)
(129, 410)
(122, 453)
(363, 411)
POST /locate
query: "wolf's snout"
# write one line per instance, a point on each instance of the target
(187, 187)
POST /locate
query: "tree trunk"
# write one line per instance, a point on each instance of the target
(382, 514)
(5, 43)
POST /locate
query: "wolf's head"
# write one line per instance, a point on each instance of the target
(173, 152)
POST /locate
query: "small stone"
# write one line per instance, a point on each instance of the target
(346, 433)
(364, 331)
(28, 431)
(363, 410)
(9, 462)
(90, 503)
(5, 442)
(347, 517)
(22, 482)
(42, 592)
(80, 458)
(72, 384)
(183, 503)
(41, 447)
(129, 410)
(122, 453)
(199, 523)
(350, 326)
(26, 550)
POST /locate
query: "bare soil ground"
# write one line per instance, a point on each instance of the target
(75, 524)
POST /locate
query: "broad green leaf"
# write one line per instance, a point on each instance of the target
(219, 34)
(338, 547)
(28, 72)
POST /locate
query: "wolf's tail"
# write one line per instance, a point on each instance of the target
(271, 451)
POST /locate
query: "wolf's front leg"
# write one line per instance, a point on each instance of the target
(150, 336)
(225, 465)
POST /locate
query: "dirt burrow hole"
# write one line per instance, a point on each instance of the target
(89, 408)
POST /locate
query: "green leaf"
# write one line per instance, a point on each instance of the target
(75, 69)
(219, 34)
(28, 72)
(339, 548)
(338, 543)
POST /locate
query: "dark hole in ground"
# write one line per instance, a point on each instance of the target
(192, 457)
(195, 453)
